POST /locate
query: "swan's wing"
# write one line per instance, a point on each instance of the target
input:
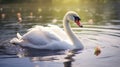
(40, 35)
(44, 38)
(59, 32)
(35, 37)
(19, 36)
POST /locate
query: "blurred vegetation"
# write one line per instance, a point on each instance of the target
(15, 1)
(98, 10)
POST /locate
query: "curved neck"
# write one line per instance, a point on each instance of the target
(71, 35)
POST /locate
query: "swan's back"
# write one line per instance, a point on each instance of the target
(52, 31)
(40, 35)
(59, 32)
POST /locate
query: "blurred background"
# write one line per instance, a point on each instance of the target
(46, 11)
(100, 18)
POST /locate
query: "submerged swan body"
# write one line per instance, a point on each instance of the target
(51, 37)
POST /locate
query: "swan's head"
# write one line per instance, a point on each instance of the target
(73, 16)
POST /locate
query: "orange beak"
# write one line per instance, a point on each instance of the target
(78, 23)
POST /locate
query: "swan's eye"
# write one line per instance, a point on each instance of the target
(77, 18)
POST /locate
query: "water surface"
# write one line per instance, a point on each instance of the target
(105, 36)
(99, 30)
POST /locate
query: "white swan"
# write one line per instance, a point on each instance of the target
(52, 37)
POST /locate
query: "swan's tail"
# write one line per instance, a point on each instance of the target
(16, 40)
(19, 36)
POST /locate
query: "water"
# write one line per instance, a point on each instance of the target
(105, 34)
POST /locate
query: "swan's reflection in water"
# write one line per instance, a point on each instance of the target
(36, 56)
(70, 60)
(68, 64)
(67, 60)
(40, 57)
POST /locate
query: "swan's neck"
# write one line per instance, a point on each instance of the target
(72, 36)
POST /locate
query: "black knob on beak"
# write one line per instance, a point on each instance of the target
(81, 26)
